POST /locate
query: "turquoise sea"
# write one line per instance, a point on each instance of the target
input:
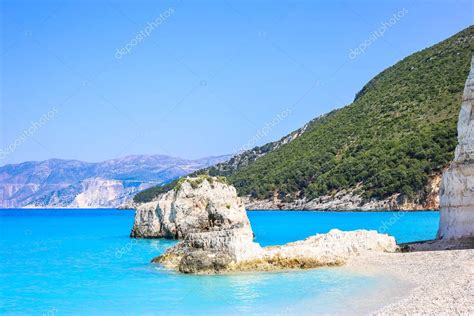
(71, 262)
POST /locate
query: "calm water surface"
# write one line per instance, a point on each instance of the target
(69, 262)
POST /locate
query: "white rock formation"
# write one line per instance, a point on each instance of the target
(457, 187)
(99, 192)
(195, 205)
(212, 252)
(233, 250)
(218, 237)
(334, 246)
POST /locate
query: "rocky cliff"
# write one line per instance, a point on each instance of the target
(352, 200)
(92, 192)
(193, 205)
(457, 189)
(217, 237)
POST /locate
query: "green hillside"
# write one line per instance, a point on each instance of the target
(400, 129)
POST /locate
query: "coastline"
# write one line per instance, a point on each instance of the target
(341, 204)
(252, 209)
(443, 280)
(342, 211)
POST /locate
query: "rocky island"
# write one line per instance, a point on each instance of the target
(217, 236)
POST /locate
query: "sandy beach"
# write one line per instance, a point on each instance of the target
(443, 280)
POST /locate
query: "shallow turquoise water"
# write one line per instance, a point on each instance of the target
(62, 262)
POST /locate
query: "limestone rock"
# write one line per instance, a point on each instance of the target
(228, 251)
(350, 200)
(335, 244)
(457, 186)
(147, 223)
(195, 205)
(211, 252)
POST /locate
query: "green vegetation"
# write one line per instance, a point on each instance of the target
(149, 194)
(196, 180)
(400, 129)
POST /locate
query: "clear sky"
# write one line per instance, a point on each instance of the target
(94, 80)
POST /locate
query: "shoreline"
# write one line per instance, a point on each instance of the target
(342, 211)
(443, 280)
(248, 210)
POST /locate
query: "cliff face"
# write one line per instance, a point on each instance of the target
(350, 200)
(92, 192)
(457, 189)
(194, 205)
(102, 193)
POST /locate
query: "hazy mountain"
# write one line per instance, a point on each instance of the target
(73, 183)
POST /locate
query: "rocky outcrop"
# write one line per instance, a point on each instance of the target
(147, 222)
(194, 205)
(350, 200)
(212, 252)
(210, 217)
(228, 251)
(457, 188)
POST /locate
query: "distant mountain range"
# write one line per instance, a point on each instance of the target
(73, 183)
(385, 150)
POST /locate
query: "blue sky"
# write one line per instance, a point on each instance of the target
(205, 80)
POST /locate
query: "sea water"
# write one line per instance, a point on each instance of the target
(71, 262)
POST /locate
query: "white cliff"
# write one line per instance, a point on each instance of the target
(211, 218)
(98, 192)
(91, 193)
(457, 187)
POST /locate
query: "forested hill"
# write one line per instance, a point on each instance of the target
(400, 129)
